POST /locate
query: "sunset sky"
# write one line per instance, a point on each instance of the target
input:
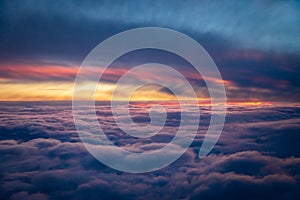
(52, 147)
(256, 48)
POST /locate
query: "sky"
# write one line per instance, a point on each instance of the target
(253, 43)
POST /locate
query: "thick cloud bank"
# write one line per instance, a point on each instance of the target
(42, 157)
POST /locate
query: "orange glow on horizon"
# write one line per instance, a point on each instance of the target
(43, 83)
(250, 103)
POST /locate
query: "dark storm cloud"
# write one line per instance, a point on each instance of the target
(256, 158)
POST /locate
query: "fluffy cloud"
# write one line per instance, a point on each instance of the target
(52, 162)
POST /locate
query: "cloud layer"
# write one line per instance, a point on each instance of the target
(257, 157)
